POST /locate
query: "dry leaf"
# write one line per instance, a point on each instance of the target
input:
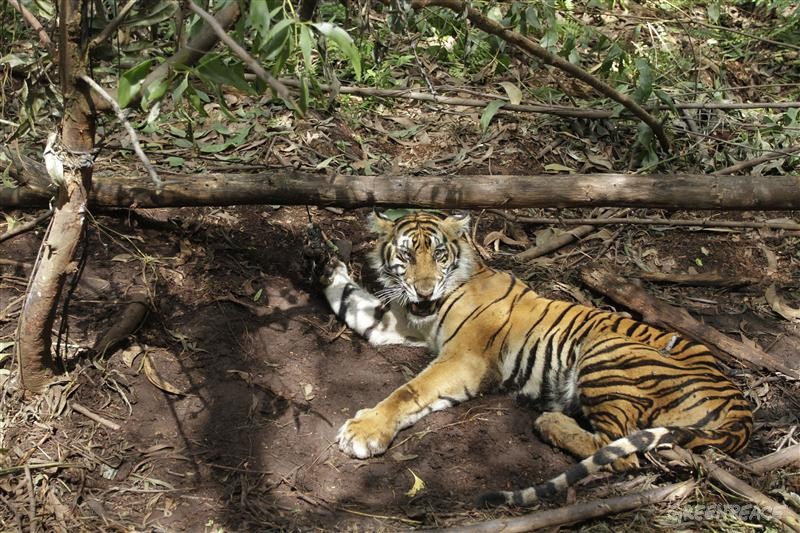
(777, 304)
(417, 486)
(130, 354)
(152, 375)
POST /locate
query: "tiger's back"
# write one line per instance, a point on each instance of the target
(489, 330)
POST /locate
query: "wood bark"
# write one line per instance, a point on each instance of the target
(55, 262)
(682, 191)
(676, 319)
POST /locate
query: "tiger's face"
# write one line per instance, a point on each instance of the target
(421, 258)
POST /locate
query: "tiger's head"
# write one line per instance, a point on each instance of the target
(421, 258)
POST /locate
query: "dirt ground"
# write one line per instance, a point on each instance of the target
(262, 377)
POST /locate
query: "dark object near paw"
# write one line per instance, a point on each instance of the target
(322, 254)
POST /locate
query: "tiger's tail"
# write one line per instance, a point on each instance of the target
(639, 442)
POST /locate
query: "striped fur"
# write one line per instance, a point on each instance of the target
(636, 386)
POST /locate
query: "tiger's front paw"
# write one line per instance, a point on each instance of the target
(366, 434)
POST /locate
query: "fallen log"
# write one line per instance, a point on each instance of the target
(292, 187)
(676, 319)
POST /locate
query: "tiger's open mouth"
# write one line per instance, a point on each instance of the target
(426, 308)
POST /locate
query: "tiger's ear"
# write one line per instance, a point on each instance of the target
(380, 223)
(457, 224)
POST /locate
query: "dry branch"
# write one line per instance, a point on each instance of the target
(562, 240)
(704, 223)
(94, 416)
(412, 94)
(579, 512)
(527, 45)
(26, 227)
(709, 279)
(770, 507)
(775, 460)
(676, 319)
(682, 191)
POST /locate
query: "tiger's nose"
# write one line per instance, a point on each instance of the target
(424, 289)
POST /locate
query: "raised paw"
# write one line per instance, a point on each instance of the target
(366, 434)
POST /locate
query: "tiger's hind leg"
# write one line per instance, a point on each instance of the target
(563, 431)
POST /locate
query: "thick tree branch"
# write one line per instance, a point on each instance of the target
(490, 26)
(681, 191)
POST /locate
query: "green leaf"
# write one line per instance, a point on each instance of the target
(177, 94)
(175, 161)
(152, 15)
(236, 140)
(343, 41)
(276, 38)
(306, 45)
(645, 86)
(130, 82)
(489, 113)
(555, 167)
(155, 91)
(713, 11)
(217, 72)
(304, 94)
(259, 16)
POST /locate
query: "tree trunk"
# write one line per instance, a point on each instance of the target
(55, 262)
(685, 191)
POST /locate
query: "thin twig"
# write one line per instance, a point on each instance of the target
(128, 127)
(770, 507)
(94, 416)
(34, 23)
(27, 226)
(31, 501)
(113, 24)
(248, 60)
(455, 100)
(750, 163)
(579, 512)
(706, 223)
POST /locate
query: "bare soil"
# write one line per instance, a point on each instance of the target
(266, 376)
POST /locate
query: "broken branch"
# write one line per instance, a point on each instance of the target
(776, 460)
(770, 507)
(580, 511)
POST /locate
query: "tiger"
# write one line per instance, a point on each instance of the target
(634, 386)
